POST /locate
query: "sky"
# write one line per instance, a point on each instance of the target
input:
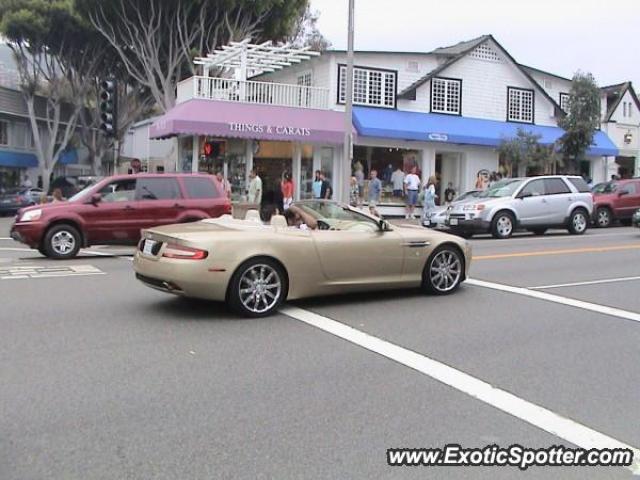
(558, 36)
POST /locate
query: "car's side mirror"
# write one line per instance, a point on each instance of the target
(623, 192)
(384, 226)
(523, 195)
(95, 198)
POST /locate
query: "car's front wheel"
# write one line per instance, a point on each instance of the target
(502, 225)
(444, 271)
(603, 217)
(257, 288)
(61, 242)
(578, 222)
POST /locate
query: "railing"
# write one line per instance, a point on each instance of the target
(265, 93)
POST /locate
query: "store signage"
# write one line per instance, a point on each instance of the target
(439, 137)
(270, 129)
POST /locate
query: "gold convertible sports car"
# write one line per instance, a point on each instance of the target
(254, 266)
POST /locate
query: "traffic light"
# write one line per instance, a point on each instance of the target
(109, 107)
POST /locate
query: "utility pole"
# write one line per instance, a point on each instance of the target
(348, 122)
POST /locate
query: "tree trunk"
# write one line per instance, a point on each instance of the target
(46, 177)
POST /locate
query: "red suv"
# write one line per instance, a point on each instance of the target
(114, 210)
(617, 200)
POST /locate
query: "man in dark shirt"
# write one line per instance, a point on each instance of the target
(326, 192)
(449, 193)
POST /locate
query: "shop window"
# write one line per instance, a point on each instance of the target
(446, 95)
(564, 102)
(4, 133)
(371, 87)
(520, 105)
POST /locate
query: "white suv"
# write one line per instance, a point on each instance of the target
(534, 204)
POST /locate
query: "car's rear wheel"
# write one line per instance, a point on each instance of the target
(258, 288)
(61, 242)
(578, 222)
(502, 225)
(444, 271)
(603, 217)
(538, 231)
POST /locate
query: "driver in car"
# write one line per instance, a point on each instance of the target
(298, 218)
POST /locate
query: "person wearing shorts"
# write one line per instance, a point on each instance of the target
(412, 187)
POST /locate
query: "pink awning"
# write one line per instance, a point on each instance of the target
(258, 122)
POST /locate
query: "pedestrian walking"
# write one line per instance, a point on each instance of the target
(429, 202)
(326, 191)
(317, 185)
(287, 189)
(375, 192)
(224, 183)
(449, 193)
(359, 174)
(255, 188)
(57, 196)
(354, 192)
(397, 179)
(411, 188)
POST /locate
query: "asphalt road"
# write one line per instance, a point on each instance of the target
(103, 378)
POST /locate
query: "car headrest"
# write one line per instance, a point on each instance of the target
(252, 215)
(279, 221)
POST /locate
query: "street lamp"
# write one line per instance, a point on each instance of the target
(348, 122)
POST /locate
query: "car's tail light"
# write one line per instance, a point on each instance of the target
(173, 250)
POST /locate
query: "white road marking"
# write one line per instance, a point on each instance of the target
(9, 249)
(103, 254)
(592, 282)
(6, 238)
(538, 416)
(549, 297)
(30, 271)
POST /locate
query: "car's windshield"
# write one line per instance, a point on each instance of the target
(82, 192)
(503, 188)
(334, 213)
(467, 195)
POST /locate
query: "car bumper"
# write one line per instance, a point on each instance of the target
(29, 233)
(476, 225)
(205, 279)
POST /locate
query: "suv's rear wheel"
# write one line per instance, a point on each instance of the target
(62, 241)
(603, 217)
(578, 222)
(502, 225)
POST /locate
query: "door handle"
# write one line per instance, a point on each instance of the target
(129, 207)
(178, 205)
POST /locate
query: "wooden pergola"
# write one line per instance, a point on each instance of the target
(251, 59)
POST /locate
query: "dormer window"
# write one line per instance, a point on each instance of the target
(564, 102)
(520, 105)
(446, 96)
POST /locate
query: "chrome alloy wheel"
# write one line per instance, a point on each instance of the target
(504, 226)
(63, 242)
(579, 222)
(260, 288)
(445, 271)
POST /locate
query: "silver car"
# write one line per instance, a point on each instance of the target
(535, 204)
(437, 217)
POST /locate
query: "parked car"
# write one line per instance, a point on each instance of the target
(114, 210)
(617, 200)
(635, 221)
(13, 199)
(254, 267)
(438, 216)
(535, 204)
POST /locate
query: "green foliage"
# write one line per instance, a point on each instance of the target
(524, 151)
(582, 120)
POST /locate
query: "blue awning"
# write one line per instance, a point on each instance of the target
(433, 127)
(68, 157)
(10, 158)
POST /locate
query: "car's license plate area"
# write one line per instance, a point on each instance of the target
(148, 248)
(453, 221)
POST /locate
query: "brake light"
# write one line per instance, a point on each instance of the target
(173, 250)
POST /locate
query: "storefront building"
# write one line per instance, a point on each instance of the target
(445, 112)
